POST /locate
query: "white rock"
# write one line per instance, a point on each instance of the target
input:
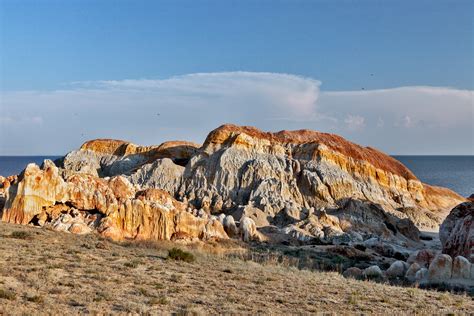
(230, 227)
(421, 274)
(221, 218)
(373, 272)
(440, 268)
(396, 270)
(248, 229)
(461, 268)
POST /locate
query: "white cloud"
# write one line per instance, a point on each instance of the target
(355, 122)
(188, 107)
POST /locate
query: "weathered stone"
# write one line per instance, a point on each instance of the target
(230, 227)
(410, 275)
(421, 275)
(440, 268)
(248, 229)
(423, 257)
(148, 214)
(461, 268)
(373, 272)
(457, 231)
(353, 273)
(303, 169)
(396, 270)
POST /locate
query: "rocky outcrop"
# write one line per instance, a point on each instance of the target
(108, 157)
(82, 202)
(457, 231)
(297, 170)
(301, 186)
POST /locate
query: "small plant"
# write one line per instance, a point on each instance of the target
(158, 286)
(35, 299)
(7, 294)
(132, 264)
(175, 278)
(19, 234)
(180, 255)
(162, 300)
(143, 291)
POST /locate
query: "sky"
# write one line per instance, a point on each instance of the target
(395, 75)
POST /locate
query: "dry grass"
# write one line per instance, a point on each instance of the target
(57, 273)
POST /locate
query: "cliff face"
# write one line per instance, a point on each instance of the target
(82, 202)
(301, 170)
(309, 185)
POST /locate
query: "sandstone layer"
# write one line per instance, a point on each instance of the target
(292, 186)
(113, 206)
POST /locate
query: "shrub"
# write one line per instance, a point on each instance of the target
(35, 299)
(180, 255)
(19, 234)
(162, 300)
(7, 294)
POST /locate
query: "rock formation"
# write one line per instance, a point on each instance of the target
(303, 169)
(301, 186)
(82, 202)
(457, 231)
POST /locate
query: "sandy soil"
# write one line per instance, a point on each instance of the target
(46, 272)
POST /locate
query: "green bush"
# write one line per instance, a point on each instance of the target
(19, 234)
(180, 255)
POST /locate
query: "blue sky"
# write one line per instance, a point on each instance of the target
(48, 43)
(396, 75)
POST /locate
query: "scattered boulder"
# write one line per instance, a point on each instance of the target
(396, 270)
(353, 273)
(461, 268)
(410, 275)
(440, 269)
(248, 229)
(423, 257)
(373, 272)
(421, 275)
(230, 227)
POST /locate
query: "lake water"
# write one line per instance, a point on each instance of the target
(454, 172)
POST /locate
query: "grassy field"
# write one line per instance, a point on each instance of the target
(46, 272)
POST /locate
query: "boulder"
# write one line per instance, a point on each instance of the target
(410, 275)
(457, 231)
(396, 270)
(230, 227)
(423, 257)
(461, 268)
(248, 229)
(421, 275)
(353, 273)
(373, 272)
(440, 269)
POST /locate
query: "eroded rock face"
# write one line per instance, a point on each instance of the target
(310, 186)
(457, 232)
(303, 169)
(112, 206)
(108, 157)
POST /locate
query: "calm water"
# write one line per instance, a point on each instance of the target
(454, 172)
(15, 164)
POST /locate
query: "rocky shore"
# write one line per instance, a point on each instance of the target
(305, 190)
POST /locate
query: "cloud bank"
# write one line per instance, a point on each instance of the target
(406, 120)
